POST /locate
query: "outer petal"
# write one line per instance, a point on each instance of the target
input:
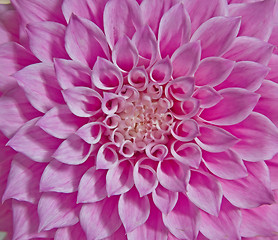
(57, 210)
(40, 85)
(174, 30)
(225, 31)
(237, 104)
(205, 192)
(207, 96)
(273, 74)
(258, 138)
(70, 233)
(225, 226)
(183, 221)
(92, 44)
(101, 219)
(251, 191)
(273, 171)
(133, 209)
(46, 40)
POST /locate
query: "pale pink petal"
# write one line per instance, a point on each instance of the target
(7, 83)
(227, 165)
(70, 233)
(273, 171)
(34, 142)
(138, 78)
(207, 96)
(213, 71)
(40, 85)
(72, 74)
(225, 226)
(92, 44)
(258, 138)
(186, 59)
(249, 49)
(247, 75)
(256, 18)
(183, 221)
(172, 175)
(46, 40)
(240, 103)
(11, 21)
(156, 152)
(119, 179)
(215, 139)
(164, 199)
(74, 150)
(251, 191)
(107, 156)
(119, 234)
(225, 30)
(92, 186)
(82, 101)
(133, 209)
(185, 130)
(273, 73)
(60, 177)
(205, 192)
(161, 71)
(121, 18)
(57, 210)
(174, 30)
(92, 132)
(100, 219)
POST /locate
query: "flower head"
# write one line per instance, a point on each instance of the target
(125, 119)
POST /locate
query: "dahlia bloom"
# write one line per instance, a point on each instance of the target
(139, 120)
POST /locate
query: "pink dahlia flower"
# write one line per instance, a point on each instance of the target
(139, 120)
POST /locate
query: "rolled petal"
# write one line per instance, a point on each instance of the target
(185, 130)
(91, 132)
(213, 71)
(161, 71)
(156, 152)
(119, 179)
(225, 31)
(226, 165)
(251, 191)
(100, 219)
(174, 30)
(82, 101)
(215, 139)
(138, 78)
(34, 142)
(207, 96)
(70, 233)
(106, 156)
(92, 186)
(57, 210)
(92, 44)
(40, 85)
(240, 103)
(112, 103)
(183, 221)
(133, 209)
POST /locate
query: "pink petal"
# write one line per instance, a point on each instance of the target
(46, 40)
(174, 30)
(225, 226)
(60, 177)
(6, 217)
(274, 36)
(133, 209)
(23, 180)
(57, 210)
(156, 152)
(161, 71)
(205, 192)
(82, 101)
(247, 75)
(172, 175)
(119, 234)
(74, 150)
(92, 186)
(72, 74)
(258, 138)
(165, 200)
(40, 85)
(34, 142)
(249, 49)
(272, 165)
(226, 165)
(207, 96)
(240, 103)
(256, 18)
(225, 30)
(7, 83)
(119, 179)
(186, 59)
(100, 219)
(121, 18)
(106, 156)
(273, 74)
(185, 130)
(183, 220)
(70, 233)
(10, 20)
(251, 191)
(138, 78)
(14, 57)
(213, 71)
(215, 139)
(92, 44)
(92, 132)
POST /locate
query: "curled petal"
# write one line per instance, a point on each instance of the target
(82, 101)
(161, 71)
(185, 109)
(225, 31)
(156, 152)
(106, 156)
(112, 103)
(129, 93)
(91, 132)
(138, 78)
(112, 121)
(117, 137)
(185, 130)
(207, 96)
(154, 90)
(127, 149)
